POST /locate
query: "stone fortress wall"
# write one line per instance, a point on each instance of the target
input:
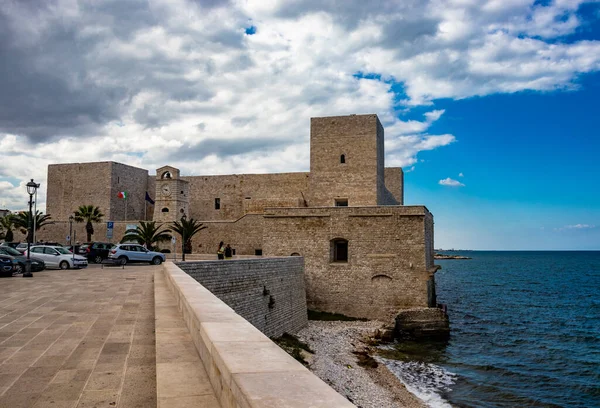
(267, 292)
(390, 246)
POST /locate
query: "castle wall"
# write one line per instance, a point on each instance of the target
(244, 193)
(394, 186)
(387, 261)
(245, 235)
(75, 184)
(269, 293)
(360, 177)
(134, 181)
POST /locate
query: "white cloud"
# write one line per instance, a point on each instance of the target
(575, 227)
(450, 182)
(460, 175)
(143, 83)
(579, 226)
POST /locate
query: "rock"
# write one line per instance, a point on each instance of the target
(422, 323)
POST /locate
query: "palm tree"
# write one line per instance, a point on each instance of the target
(23, 219)
(186, 229)
(88, 214)
(147, 233)
(7, 224)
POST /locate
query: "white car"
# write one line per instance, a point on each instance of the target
(58, 257)
(124, 253)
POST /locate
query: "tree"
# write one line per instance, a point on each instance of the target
(88, 214)
(7, 225)
(147, 233)
(186, 229)
(23, 219)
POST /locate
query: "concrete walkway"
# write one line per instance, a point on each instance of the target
(78, 339)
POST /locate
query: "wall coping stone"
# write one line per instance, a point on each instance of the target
(246, 369)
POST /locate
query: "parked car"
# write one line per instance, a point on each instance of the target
(22, 247)
(123, 253)
(58, 257)
(37, 264)
(10, 244)
(7, 265)
(97, 251)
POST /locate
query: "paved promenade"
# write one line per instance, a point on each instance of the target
(78, 339)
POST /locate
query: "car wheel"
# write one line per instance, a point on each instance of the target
(19, 268)
(123, 260)
(64, 265)
(156, 260)
(98, 259)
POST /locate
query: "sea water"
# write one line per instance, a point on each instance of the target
(525, 332)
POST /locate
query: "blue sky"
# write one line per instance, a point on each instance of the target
(531, 170)
(503, 92)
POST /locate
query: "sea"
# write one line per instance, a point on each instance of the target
(525, 332)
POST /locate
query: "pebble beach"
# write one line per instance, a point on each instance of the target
(333, 344)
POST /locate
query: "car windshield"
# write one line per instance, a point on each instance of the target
(11, 251)
(62, 250)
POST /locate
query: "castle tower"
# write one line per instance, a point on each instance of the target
(172, 195)
(346, 161)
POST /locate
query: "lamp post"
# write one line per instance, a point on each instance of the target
(183, 218)
(31, 189)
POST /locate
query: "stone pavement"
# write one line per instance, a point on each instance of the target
(78, 339)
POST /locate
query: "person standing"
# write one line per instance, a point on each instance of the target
(221, 251)
(228, 252)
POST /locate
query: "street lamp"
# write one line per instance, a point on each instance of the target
(31, 189)
(183, 218)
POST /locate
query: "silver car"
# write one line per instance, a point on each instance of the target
(124, 253)
(58, 257)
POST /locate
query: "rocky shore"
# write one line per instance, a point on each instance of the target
(337, 347)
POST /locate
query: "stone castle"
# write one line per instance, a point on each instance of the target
(365, 253)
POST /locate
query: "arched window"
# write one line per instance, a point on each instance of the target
(343, 158)
(339, 250)
(166, 175)
(295, 254)
(165, 209)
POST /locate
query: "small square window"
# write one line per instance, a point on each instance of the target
(258, 252)
(217, 203)
(339, 250)
(341, 202)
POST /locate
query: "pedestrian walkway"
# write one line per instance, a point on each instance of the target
(182, 380)
(78, 339)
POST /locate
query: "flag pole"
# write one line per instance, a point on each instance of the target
(125, 199)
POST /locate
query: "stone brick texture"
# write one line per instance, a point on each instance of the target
(75, 184)
(387, 263)
(268, 292)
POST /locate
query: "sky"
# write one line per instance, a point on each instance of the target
(491, 107)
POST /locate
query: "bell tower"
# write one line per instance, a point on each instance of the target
(172, 195)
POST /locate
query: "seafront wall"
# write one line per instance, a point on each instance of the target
(267, 292)
(245, 368)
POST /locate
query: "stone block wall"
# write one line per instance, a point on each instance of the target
(394, 186)
(74, 184)
(134, 181)
(268, 292)
(242, 193)
(386, 269)
(358, 178)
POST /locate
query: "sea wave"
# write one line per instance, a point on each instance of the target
(426, 381)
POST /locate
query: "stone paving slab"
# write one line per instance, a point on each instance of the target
(78, 338)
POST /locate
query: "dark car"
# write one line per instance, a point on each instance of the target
(7, 265)
(97, 251)
(36, 263)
